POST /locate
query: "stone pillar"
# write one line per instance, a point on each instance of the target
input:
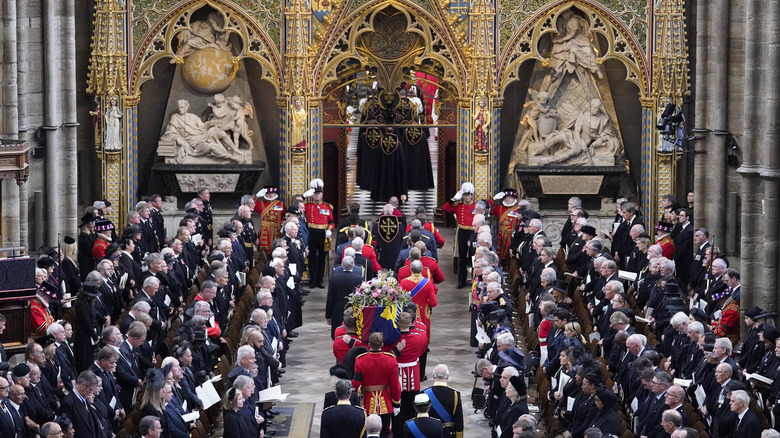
(767, 277)
(10, 120)
(22, 67)
(751, 241)
(52, 52)
(69, 185)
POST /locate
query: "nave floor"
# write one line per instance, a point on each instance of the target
(310, 357)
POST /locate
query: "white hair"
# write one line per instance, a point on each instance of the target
(506, 338)
(357, 243)
(244, 351)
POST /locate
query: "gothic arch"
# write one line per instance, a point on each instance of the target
(158, 42)
(340, 43)
(621, 44)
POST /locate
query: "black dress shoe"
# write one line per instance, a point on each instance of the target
(292, 334)
(272, 412)
(305, 292)
(270, 432)
(281, 370)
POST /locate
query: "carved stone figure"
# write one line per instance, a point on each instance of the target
(481, 123)
(112, 136)
(298, 118)
(203, 34)
(230, 115)
(593, 141)
(566, 121)
(195, 138)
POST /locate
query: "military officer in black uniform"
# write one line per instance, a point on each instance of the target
(205, 214)
(445, 403)
(423, 425)
(343, 420)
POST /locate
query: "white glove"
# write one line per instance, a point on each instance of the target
(328, 233)
(499, 195)
(458, 196)
(396, 411)
(308, 193)
(261, 193)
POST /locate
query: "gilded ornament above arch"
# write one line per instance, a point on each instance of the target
(339, 43)
(159, 40)
(621, 43)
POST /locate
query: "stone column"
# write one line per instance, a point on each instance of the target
(52, 52)
(69, 186)
(10, 120)
(711, 106)
(22, 67)
(751, 240)
(770, 160)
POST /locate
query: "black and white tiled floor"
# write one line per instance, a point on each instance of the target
(369, 207)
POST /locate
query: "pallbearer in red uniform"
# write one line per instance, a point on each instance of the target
(508, 218)
(462, 206)
(319, 215)
(376, 372)
(408, 351)
(40, 315)
(271, 211)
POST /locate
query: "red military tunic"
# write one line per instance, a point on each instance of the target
(508, 218)
(464, 213)
(432, 229)
(406, 272)
(667, 246)
(271, 217)
(377, 373)
(425, 298)
(409, 359)
(430, 263)
(99, 249)
(341, 348)
(728, 324)
(319, 216)
(40, 317)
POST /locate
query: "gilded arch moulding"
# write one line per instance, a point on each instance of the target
(621, 43)
(158, 42)
(339, 43)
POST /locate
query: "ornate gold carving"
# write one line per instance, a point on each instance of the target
(621, 45)
(107, 71)
(670, 58)
(297, 58)
(161, 40)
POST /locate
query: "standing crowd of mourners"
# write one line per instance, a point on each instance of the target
(625, 333)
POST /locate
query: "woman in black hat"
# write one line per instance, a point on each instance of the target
(86, 241)
(515, 392)
(152, 402)
(89, 324)
(338, 372)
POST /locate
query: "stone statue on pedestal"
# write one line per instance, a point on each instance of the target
(112, 138)
(202, 34)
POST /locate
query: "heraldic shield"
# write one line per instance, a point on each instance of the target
(388, 228)
(413, 135)
(389, 143)
(373, 137)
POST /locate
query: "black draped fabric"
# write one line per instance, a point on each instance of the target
(418, 158)
(367, 160)
(390, 178)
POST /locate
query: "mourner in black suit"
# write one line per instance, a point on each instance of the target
(85, 421)
(343, 419)
(340, 286)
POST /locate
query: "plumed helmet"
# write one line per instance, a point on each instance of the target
(317, 185)
(467, 187)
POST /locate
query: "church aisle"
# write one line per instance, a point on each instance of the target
(310, 356)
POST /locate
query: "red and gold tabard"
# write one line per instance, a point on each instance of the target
(271, 218)
(40, 317)
(464, 213)
(319, 216)
(508, 218)
(728, 324)
(409, 360)
(377, 373)
(667, 246)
